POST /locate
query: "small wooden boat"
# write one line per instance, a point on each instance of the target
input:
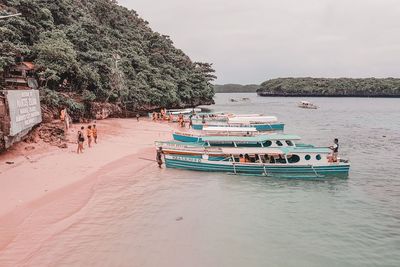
(285, 162)
(307, 105)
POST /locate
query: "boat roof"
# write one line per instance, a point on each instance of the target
(244, 150)
(257, 138)
(229, 129)
(274, 150)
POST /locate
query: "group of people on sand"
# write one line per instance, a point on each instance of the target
(164, 116)
(90, 134)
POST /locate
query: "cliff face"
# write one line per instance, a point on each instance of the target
(97, 51)
(342, 87)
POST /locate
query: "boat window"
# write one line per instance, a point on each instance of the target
(307, 157)
(281, 159)
(279, 143)
(318, 157)
(267, 143)
(289, 143)
(293, 158)
(271, 159)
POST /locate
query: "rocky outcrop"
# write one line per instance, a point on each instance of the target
(100, 111)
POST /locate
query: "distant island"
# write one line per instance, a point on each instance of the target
(236, 88)
(341, 87)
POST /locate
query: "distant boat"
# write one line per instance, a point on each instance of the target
(244, 99)
(307, 105)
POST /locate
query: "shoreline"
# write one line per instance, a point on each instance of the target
(49, 174)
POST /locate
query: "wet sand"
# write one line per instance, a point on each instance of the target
(46, 186)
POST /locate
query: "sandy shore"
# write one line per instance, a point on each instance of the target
(48, 174)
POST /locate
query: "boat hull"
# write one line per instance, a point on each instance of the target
(186, 138)
(275, 170)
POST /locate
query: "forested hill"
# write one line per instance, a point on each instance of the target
(97, 51)
(236, 88)
(342, 87)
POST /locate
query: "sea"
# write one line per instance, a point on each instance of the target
(166, 217)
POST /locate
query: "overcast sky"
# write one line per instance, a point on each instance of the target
(249, 41)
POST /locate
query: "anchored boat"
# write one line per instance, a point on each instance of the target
(307, 105)
(262, 140)
(286, 162)
(260, 123)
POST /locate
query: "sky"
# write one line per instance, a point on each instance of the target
(250, 41)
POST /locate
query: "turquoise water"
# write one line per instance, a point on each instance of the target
(180, 218)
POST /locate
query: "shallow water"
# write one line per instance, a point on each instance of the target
(181, 218)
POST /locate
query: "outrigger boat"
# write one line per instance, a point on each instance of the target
(264, 140)
(307, 105)
(284, 162)
(260, 123)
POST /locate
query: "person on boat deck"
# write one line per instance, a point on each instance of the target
(281, 160)
(266, 158)
(335, 149)
(246, 158)
(272, 159)
(241, 158)
(159, 157)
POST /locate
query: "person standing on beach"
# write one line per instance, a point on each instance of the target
(137, 116)
(89, 134)
(159, 157)
(190, 121)
(63, 114)
(81, 139)
(94, 132)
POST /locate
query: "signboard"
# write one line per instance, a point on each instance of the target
(24, 110)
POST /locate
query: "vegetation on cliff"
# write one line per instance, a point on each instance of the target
(370, 87)
(236, 88)
(98, 51)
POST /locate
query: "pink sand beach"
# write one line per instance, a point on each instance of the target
(42, 188)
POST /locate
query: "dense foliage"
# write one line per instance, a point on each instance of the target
(370, 87)
(236, 88)
(96, 50)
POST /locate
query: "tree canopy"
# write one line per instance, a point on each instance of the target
(104, 52)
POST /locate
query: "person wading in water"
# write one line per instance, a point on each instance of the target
(159, 157)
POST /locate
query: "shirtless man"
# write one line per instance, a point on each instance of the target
(335, 149)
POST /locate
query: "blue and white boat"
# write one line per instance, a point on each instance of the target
(262, 140)
(260, 122)
(284, 162)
